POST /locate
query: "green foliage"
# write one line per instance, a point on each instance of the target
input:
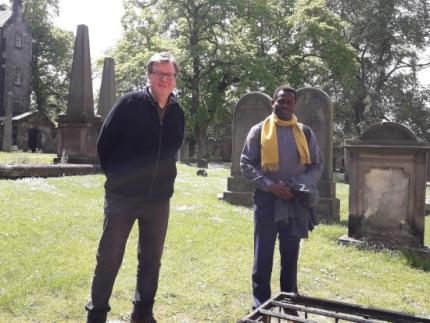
(410, 104)
(324, 56)
(363, 53)
(388, 36)
(52, 57)
(227, 48)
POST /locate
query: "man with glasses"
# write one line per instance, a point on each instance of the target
(137, 149)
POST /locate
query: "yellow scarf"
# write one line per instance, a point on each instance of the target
(269, 142)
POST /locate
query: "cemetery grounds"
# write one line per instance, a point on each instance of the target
(50, 228)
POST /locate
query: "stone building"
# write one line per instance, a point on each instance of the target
(31, 131)
(15, 56)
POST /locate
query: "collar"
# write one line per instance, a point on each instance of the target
(171, 99)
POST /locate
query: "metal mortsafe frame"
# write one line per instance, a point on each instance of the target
(316, 310)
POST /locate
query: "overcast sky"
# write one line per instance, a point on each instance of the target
(103, 18)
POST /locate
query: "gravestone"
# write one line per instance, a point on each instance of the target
(107, 96)
(314, 108)
(387, 177)
(7, 127)
(251, 109)
(78, 129)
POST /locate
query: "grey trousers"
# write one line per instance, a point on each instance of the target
(120, 214)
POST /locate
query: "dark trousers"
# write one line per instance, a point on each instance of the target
(266, 231)
(120, 214)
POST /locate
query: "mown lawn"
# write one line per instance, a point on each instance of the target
(49, 231)
(20, 157)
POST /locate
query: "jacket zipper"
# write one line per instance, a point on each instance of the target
(157, 160)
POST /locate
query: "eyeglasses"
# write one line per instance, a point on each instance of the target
(161, 75)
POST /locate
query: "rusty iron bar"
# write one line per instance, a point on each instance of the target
(333, 309)
(283, 316)
(322, 312)
(364, 311)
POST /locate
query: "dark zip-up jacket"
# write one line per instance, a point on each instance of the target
(137, 150)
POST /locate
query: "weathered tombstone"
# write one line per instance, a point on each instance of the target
(250, 110)
(7, 128)
(78, 128)
(314, 108)
(387, 177)
(107, 96)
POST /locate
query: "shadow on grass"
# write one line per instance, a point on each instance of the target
(416, 261)
(412, 259)
(342, 223)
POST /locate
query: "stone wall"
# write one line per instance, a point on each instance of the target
(16, 57)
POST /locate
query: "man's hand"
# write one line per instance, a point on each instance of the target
(281, 190)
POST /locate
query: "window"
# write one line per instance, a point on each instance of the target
(18, 40)
(17, 76)
(16, 107)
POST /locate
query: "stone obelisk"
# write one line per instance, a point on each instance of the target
(107, 96)
(78, 129)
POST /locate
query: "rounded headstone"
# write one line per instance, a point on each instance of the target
(251, 109)
(314, 109)
(390, 131)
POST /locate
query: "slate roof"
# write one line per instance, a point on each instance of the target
(25, 115)
(4, 16)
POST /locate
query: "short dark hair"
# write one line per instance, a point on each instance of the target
(284, 88)
(163, 57)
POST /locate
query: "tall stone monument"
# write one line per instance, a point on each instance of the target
(78, 129)
(250, 110)
(107, 96)
(7, 127)
(387, 176)
(314, 108)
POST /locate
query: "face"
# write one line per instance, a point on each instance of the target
(162, 79)
(284, 105)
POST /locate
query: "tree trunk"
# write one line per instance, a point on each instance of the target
(202, 143)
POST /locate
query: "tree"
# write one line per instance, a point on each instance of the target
(52, 57)
(192, 30)
(227, 48)
(388, 36)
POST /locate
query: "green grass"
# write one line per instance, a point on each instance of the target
(20, 157)
(49, 232)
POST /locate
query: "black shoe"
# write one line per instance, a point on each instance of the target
(142, 313)
(96, 317)
(145, 320)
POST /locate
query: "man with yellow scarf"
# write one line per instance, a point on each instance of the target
(281, 158)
